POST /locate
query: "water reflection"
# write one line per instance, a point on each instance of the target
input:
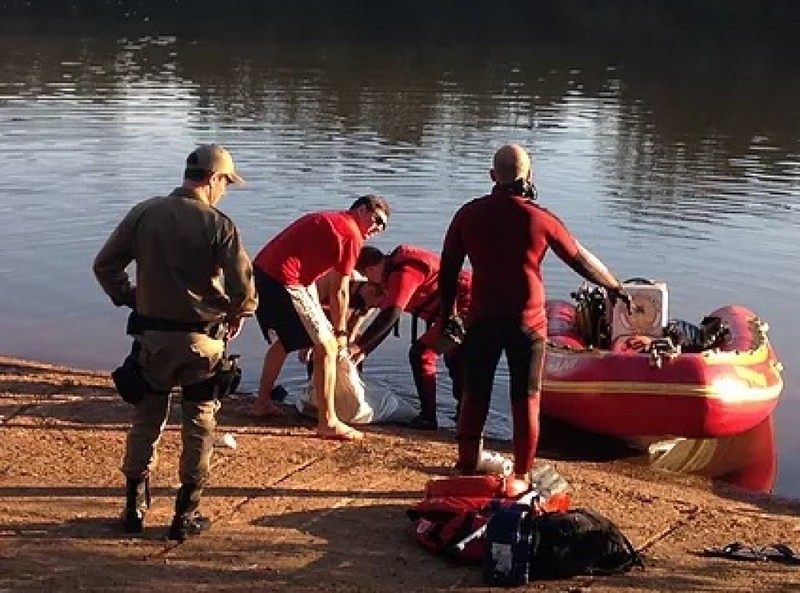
(747, 460)
(673, 145)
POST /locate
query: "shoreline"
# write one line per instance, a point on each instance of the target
(296, 513)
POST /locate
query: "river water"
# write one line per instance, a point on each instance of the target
(674, 158)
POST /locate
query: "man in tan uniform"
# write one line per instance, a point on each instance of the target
(194, 287)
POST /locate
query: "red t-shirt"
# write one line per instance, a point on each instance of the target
(505, 237)
(310, 246)
(412, 282)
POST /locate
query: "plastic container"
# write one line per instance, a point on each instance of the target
(648, 314)
(492, 462)
(547, 481)
(226, 441)
(553, 488)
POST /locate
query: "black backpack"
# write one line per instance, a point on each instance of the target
(579, 542)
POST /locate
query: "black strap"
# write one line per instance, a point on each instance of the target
(138, 323)
(422, 307)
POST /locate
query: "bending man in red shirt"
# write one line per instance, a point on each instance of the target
(410, 277)
(285, 272)
(505, 235)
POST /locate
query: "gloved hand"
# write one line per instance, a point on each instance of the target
(618, 293)
(453, 329)
(129, 300)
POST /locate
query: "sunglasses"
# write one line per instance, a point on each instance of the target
(226, 177)
(379, 219)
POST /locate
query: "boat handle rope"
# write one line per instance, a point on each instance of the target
(662, 349)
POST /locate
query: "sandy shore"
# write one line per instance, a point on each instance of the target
(297, 513)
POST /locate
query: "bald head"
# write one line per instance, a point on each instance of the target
(511, 162)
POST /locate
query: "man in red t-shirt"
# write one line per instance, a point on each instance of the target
(410, 277)
(505, 235)
(285, 272)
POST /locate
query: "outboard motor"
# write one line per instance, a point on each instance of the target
(591, 315)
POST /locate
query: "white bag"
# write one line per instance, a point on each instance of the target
(350, 399)
(355, 403)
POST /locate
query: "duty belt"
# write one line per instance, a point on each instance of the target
(138, 323)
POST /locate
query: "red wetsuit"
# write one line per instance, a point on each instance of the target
(505, 236)
(411, 281)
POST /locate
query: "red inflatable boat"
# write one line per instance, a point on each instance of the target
(645, 385)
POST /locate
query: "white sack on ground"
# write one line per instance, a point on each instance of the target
(357, 402)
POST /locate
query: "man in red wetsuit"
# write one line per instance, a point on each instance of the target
(410, 278)
(285, 272)
(505, 235)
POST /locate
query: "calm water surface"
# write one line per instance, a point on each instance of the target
(675, 161)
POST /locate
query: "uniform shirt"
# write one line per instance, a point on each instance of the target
(505, 237)
(412, 283)
(190, 262)
(311, 246)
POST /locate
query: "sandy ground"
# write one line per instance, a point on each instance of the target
(297, 513)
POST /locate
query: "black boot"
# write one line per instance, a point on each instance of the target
(137, 501)
(424, 421)
(187, 520)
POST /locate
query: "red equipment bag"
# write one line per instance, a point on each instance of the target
(488, 486)
(441, 523)
(451, 519)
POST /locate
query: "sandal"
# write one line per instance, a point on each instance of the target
(780, 553)
(736, 551)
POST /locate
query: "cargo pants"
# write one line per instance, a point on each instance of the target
(171, 359)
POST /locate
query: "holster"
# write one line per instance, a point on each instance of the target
(225, 380)
(229, 375)
(128, 378)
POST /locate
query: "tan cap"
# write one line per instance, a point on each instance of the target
(212, 158)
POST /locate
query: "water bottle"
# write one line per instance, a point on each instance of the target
(553, 489)
(492, 462)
